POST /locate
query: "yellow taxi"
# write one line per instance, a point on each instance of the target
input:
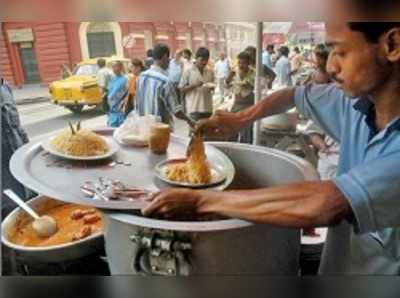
(81, 88)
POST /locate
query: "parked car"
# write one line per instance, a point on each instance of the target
(81, 88)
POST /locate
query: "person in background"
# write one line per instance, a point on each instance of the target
(242, 83)
(175, 70)
(319, 59)
(13, 136)
(104, 76)
(187, 59)
(149, 60)
(155, 93)
(267, 56)
(129, 101)
(267, 76)
(117, 91)
(195, 85)
(222, 69)
(65, 72)
(283, 69)
(295, 64)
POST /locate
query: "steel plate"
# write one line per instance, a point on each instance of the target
(217, 174)
(61, 179)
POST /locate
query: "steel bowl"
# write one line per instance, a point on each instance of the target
(48, 254)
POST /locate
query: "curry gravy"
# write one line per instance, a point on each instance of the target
(72, 226)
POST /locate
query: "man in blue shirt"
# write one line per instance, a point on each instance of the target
(267, 56)
(361, 205)
(155, 93)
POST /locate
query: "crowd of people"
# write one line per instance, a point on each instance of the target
(189, 86)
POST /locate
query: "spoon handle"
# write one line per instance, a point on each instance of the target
(13, 196)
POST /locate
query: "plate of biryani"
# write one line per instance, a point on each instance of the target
(77, 143)
(193, 171)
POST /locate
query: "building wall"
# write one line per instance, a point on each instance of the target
(6, 70)
(61, 43)
(52, 50)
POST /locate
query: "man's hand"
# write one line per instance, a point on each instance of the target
(221, 123)
(174, 202)
(198, 84)
(319, 143)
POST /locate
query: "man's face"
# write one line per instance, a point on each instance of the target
(164, 62)
(356, 65)
(201, 62)
(222, 56)
(117, 68)
(243, 65)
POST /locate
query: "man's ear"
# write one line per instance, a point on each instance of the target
(392, 45)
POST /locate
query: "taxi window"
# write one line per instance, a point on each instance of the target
(86, 70)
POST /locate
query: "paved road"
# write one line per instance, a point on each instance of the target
(44, 117)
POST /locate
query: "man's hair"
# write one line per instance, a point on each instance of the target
(374, 9)
(321, 51)
(137, 62)
(373, 30)
(244, 56)
(117, 62)
(253, 54)
(149, 53)
(284, 50)
(101, 62)
(203, 52)
(297, 50)
(270, 47)
(160, 50)
(187, 52)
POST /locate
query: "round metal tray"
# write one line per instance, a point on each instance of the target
(61, 179)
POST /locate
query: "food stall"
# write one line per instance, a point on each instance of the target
(129, 243)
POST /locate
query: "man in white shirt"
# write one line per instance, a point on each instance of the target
(222, 69)
(103, 75)
(283, 69)
(295, 64)
(195, 85)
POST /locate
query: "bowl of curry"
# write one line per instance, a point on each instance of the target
(80, 231)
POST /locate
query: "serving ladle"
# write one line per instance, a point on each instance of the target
(44, 226)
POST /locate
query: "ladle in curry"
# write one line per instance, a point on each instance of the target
(44, 226)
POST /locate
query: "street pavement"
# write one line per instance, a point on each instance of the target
(40, 118)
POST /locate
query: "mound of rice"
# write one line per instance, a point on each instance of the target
(83, 143)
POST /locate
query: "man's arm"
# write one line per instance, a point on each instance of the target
(299, 205)
(188, 88)
(223, 123)
(181, 115)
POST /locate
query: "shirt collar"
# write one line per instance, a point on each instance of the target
(159, 69)
(365, 106)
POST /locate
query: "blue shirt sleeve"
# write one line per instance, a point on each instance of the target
(373, 191)
(170, 98)
(326, 105)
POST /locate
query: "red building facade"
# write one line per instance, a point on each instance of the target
(32, 52)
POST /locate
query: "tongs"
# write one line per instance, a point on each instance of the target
(109, 190)
(194, 134)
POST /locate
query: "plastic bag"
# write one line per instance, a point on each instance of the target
(135, 130)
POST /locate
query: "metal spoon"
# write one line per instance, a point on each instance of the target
(44, 226)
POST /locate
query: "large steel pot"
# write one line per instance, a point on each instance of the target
(48, 254)
(138, 245)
